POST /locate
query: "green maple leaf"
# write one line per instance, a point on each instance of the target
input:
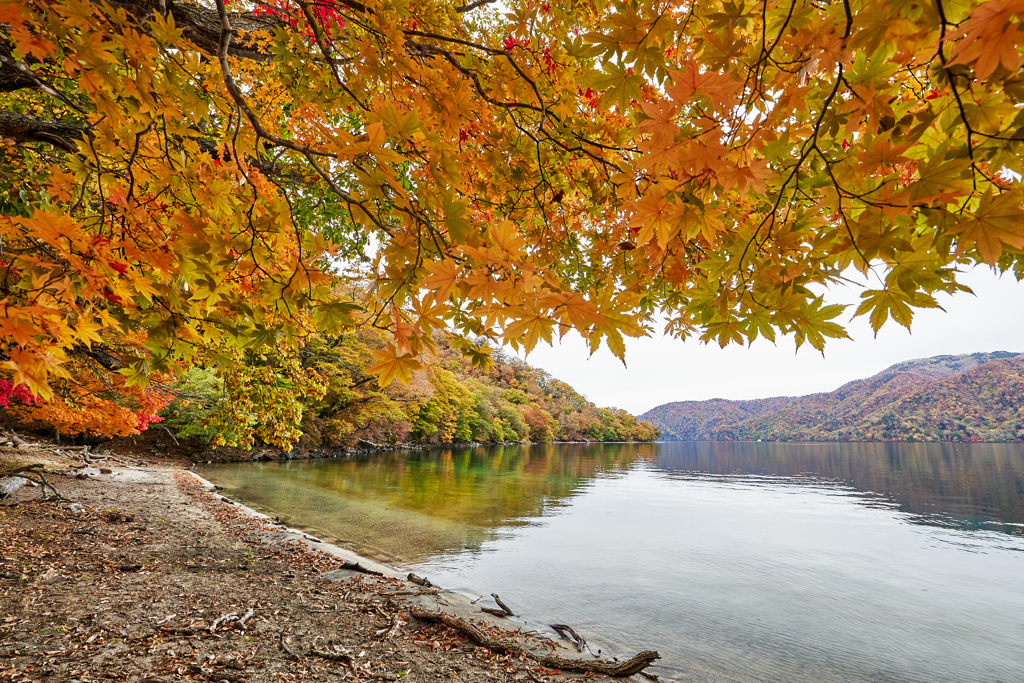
(817, 325)
(619, 86)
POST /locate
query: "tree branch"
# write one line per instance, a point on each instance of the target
(101, 354)
(473, 5)
(27, 128)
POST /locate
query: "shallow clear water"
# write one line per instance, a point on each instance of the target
(737, 561)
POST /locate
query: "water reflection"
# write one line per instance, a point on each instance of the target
(965, 486)
(401, 506)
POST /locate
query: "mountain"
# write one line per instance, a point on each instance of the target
(973, 397)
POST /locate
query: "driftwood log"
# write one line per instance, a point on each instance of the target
(420, 581)
(629, 667)
(9, 485)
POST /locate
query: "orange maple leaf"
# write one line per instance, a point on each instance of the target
(444, 275)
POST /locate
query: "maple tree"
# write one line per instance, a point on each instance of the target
(86, 399)
(207, 176)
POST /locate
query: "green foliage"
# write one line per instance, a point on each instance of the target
(199, 395)
(515, 396)
(513, 424)
(266, 396)
(426, 419)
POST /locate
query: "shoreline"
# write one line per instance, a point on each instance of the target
(152, 445)
(460, 603)
(161, 446)
(140, 565)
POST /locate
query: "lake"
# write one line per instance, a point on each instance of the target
(738, 562)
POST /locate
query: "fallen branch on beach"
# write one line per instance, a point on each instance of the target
(575, 638)
(629, 667)
(502, 605)
(420, 581)
(27, 473)
(389, 632)
(343, 657)
(356, 567)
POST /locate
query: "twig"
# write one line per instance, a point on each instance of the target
(56, 493)
(389, 633)
(247, 617)
(225, 619)
(284, 646)
(181, 631)
(343, 657)
(164, 427)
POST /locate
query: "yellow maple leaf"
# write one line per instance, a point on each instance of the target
(990, 38)
(721, 90)
(578, 311)
(391, 366)
(532, 327)
(506, 237)
(659, 122)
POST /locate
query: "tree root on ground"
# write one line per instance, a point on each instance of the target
(627, 668)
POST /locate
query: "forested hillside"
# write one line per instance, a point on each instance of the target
(974, 397)
(327, 396)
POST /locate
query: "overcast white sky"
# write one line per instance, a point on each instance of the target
(661, 370)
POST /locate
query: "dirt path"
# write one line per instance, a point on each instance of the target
(126, 581)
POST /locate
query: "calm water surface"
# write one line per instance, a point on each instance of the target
(737, 561)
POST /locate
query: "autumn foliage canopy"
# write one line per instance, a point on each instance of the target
(184, 182)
